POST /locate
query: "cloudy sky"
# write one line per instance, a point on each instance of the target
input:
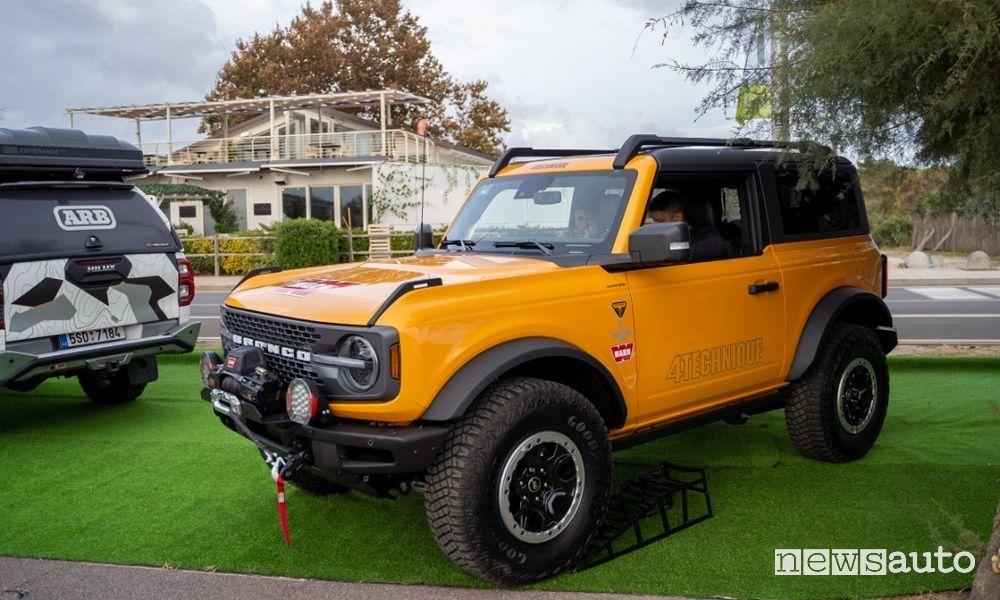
(564, 69)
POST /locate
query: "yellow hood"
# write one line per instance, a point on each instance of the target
(350, 294)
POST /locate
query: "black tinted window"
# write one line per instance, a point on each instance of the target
(832, 208)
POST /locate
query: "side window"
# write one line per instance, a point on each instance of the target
(713, 205)
(830, 208)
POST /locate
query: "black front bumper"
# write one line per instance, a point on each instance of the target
(370, 458)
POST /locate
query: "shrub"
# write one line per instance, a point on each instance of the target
(244, 254)
(892, 231)
(306, 243)
(223, 214)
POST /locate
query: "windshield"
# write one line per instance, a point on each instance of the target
(558, 213)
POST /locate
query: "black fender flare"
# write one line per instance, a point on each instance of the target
(846, 305)
(471, 379)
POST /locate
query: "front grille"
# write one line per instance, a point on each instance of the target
(282, 333)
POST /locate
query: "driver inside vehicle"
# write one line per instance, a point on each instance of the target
(585, 222)
(669, 206)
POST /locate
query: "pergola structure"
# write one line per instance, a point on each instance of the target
(384, 99)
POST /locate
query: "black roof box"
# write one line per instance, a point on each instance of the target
(49, 149)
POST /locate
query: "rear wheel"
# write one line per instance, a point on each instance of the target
(521, 485)
(836, 410)
(104, 387)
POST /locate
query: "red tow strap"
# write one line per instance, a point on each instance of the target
(282, 509)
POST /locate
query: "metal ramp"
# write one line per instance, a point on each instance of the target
(648, 508)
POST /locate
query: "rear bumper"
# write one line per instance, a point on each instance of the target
(350, 453)
(22, 366)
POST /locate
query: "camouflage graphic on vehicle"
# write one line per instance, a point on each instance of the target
(43, 301)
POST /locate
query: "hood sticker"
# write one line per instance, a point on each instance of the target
(304, 287)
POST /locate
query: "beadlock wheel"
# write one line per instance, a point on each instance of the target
(518, 490)
(540, 487)
(856, 394)
(836, 410)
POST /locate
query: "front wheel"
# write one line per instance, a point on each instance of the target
(521, 485)
(836, 410)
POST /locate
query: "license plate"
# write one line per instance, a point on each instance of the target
(82, 338)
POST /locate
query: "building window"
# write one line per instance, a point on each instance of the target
(261, 209)
(187, 212)
(293, 203)
(352, 206)
(321, 203)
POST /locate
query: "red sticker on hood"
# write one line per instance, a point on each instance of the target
(304, 287)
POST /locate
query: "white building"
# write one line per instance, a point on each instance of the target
(303, 156)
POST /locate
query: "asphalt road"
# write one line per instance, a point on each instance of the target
(922, 314)
(35, 579)
(935, 314)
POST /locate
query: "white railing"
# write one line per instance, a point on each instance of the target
(399, 146)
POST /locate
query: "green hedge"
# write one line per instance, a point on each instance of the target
(230, 265)
(306, 243)
(893, 231)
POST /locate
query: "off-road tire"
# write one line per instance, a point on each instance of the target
(812, 414)
(315, 485)
(106, 388)
(462, 496)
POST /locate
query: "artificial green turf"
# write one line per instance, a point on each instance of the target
(161, 482)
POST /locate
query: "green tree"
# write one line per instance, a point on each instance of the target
(916, 78)
(223, 213)
(350, 45)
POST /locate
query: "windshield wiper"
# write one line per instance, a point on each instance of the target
(545, 248)
(463, 244)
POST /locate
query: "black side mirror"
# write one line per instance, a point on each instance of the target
(661, 243)
(423, 237)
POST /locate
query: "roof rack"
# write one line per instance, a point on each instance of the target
(640, 141)
(50, 149)
(513, 153)
(635, 143)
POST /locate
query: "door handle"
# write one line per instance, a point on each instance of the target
(760, 288)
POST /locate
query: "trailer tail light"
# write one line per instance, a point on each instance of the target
(185, 282)
(885, 275)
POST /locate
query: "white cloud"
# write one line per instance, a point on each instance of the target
(565, 70)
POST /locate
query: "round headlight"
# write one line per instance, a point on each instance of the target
(209, 367)
(362, 377)
(301, 401)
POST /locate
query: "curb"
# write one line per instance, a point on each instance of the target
(960, 281)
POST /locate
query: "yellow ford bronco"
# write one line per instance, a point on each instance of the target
(581, 301)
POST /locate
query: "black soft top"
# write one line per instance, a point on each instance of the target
(45, 152)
